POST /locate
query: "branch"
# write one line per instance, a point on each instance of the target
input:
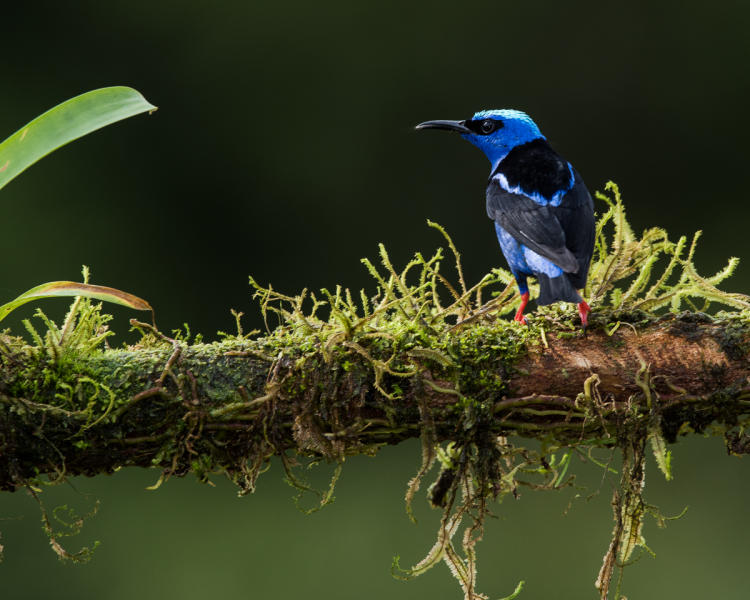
(231, 405)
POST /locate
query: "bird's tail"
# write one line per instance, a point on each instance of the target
(556, 289)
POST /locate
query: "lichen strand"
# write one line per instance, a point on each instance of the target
(347, 373)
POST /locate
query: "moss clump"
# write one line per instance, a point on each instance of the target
(732, 337)
(622, 273)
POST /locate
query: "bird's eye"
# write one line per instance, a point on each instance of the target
(487, 126)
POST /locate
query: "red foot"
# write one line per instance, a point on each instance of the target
(583, 311)
(519, 313)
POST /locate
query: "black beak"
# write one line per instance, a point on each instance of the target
(459, 126)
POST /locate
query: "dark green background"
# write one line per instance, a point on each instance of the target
(283, 147)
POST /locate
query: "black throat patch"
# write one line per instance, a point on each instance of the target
(536, 168)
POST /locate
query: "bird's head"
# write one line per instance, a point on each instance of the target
(495, 132)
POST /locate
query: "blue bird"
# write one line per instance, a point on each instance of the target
(543, 213)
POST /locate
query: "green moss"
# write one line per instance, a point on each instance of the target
(733, 336)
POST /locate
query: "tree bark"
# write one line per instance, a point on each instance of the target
(229, 406)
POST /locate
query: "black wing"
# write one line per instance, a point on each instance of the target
(576, 217)
(535, 226)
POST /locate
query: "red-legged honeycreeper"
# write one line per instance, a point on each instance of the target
(543, 213)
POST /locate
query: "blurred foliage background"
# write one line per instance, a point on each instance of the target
(284, 147)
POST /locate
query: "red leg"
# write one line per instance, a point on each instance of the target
(519, 313)
(583, 311)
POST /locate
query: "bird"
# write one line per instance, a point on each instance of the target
(541, 208)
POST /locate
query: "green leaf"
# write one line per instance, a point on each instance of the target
(66, 122)
(72, 288)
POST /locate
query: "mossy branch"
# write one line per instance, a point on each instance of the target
(421, 357)
(223, 404)
(227, 407)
